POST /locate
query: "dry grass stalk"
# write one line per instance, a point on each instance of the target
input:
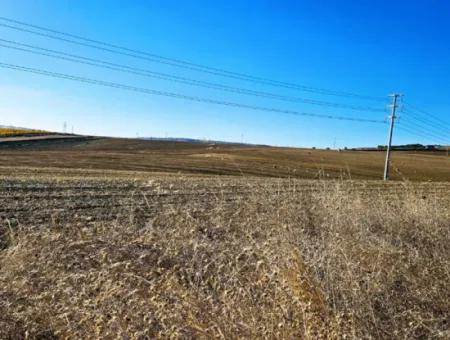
(334, 262)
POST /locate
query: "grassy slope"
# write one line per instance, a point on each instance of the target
(138, 155)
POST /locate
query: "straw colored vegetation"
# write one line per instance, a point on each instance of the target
(184, 257)
(12, 132)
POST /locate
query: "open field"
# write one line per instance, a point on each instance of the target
(107, 254)
(341, 234)
(107, 238)
(220, 159)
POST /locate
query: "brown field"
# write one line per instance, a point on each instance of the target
(103, 238)
(240, 160)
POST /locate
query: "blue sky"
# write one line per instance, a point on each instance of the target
(366, 47)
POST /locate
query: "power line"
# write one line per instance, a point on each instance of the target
(426, 123)
(159, 75)
(428, 115)
(422, 127)
(117, 49)
(427, 126)
(422, 133)
(428, 133)
(417, 133)
(411, 132)
(426, 129)
(181, 96)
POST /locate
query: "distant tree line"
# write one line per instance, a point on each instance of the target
(413, 147)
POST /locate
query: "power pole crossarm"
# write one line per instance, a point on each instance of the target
(391, 132)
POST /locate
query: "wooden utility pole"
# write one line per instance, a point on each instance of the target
(394, 106)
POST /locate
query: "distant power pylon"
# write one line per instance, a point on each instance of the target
(334, 143)
(65, 127)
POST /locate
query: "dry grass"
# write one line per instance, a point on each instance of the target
(281, 262)
(11, 132)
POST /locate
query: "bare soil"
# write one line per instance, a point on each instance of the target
(238, 160)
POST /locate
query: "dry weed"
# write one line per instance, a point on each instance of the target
(335, 262)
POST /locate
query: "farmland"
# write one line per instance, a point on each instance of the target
(107, 238)
(219, 159)
(331, 221)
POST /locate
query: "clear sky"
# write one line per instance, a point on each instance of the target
(367, 47)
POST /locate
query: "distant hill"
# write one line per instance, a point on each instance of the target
(197, 141)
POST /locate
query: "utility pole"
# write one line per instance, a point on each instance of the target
(394, 106)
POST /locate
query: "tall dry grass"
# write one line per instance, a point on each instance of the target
(330, 263)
